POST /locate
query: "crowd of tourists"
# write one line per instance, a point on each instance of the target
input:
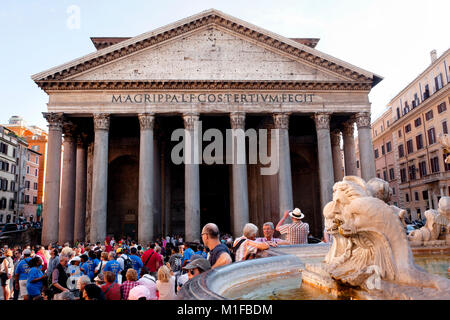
(126, 270)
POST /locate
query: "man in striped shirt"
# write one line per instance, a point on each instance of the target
(297, 231)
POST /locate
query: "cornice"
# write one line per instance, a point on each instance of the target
(204, 85)
(211, 17)
(431, 100)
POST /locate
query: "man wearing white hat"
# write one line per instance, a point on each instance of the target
(297, 231)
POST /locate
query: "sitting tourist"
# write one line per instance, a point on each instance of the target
(246, 247)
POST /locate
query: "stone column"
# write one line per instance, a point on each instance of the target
(50, 214)
(192, 179)
(80, 190)
(286, 202)
(349, 148)
(326, 175)
(239, 172)
(100, 178)
(146, 179)
(336, 152)
(366, 156)
(67, 211)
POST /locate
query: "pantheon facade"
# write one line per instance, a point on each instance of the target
(113, 112)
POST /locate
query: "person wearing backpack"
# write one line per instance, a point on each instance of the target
(151, 260)
(124, 261)
(136, 261)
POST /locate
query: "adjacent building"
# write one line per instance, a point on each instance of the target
(405, 140)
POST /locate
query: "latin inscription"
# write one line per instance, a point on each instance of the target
(214, 98)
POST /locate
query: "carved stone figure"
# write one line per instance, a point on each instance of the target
(370, 249)
(380, 189)
(432, 228)
(445, 141)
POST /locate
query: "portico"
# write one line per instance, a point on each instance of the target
(124, 101)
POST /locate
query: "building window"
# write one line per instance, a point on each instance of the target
(36, 172)
(398, 113)
(13, 186)
(27, 184)
(34, 200)
(357, 163)
(412, 172)
(419, 142)
(11, 204)
(378, 175)
(3, 204)
(426, 93)
(408, 128)
(416, 100)
(429, 115)
(417, 122)
(399, 133)
(35, 186)
(434, 164)
(403, 175)
(438, 82)
(431, 136)
(376, 153)
(425, 195)
(28, 170)
(3, 148)
(388, 146)
(385, 175)
(383, 150)
(416, 196)
(407, 197)
(391, 174)
(423, 168)
(442, 107)
(4, 184)
(409, 146)
(401, 151)
(27, 199)
(393, 191)
(444, 127)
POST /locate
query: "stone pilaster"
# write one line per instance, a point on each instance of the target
(349, 148)
(50, 214)
(326, 174)
(146, 210)
(192, 180)
(286, 202)
(336, 152)
(80, 189)
(67, 211)
(366, 153)
(100, 178)
(239, 171)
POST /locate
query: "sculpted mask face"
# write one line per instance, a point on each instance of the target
(331, 214)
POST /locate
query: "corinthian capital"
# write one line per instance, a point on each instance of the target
(362, 120)
(322, 120)
(281, 120)
(348, 127)
(190, 119)
(146, 120)
(237, 120)
(69, 130)
(55, 120)
(335, 136)
(101, 121)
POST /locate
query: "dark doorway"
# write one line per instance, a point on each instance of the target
(215, 196)
(123, 183)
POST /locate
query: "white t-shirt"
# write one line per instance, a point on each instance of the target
(166, 289)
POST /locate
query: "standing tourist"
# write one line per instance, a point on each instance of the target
(40, 251)
(268, 231)
(165, 284)
(59, 275)
(6, 273)
(219, 254)
(151, 259)
(297, 231)
(113, 266)
(245, 247)
(111, 289)
(35, 278)
(136, 261)
(53, 262)
(131, 282)
(21, 274)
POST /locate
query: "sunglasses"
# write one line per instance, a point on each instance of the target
(191, 271)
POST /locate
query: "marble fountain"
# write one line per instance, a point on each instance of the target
(370, 257)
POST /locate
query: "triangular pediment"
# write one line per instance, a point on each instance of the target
(208, 54)
(208, 46)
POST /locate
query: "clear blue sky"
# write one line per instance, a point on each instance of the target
(392, 38)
